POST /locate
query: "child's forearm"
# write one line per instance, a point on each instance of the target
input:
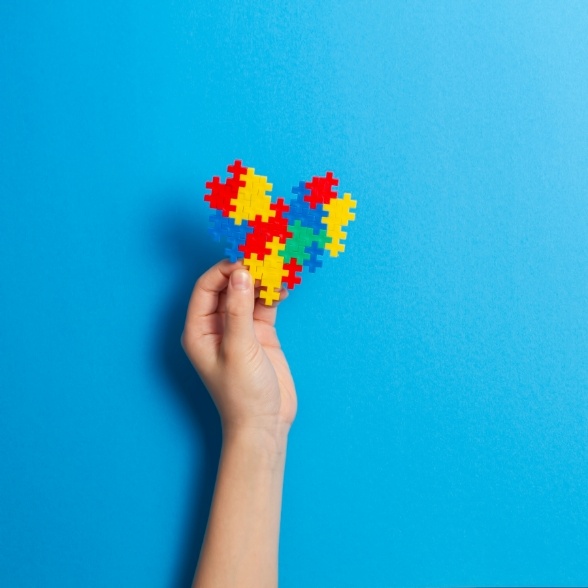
(241, 543)
(231, 340)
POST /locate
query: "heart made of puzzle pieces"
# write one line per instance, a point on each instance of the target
(276, 240)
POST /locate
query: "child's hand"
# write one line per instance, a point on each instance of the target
(230, 339)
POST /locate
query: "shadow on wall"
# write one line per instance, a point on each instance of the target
(183, 241)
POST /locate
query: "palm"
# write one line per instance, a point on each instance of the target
(268, 339)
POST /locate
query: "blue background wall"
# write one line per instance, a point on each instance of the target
(441, 363)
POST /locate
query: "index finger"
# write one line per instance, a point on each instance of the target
(205, 296)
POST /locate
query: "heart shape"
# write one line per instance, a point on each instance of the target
(277, 240)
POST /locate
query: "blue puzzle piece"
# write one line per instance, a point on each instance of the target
(301, 191)
(233, 252)
(298, 211)
(236, 236)
(313, 219)
(220, 225)
(313, 262)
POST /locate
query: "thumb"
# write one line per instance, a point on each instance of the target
(239, 331)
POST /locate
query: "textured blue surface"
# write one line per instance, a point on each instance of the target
(441, 363)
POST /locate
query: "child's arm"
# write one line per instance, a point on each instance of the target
(231, 340)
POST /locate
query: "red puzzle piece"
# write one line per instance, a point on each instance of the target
(321, 190)
(291, 279)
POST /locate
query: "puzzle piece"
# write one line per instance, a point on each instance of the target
(269, 295)
(339, 209)
(236, 236)
(254, 265)
(302, 237)
(219, 225)
(321, 190)
(338, 215)
(221, 195)
(277, 240)
(293, 269)
(252, 199)
(314, 252)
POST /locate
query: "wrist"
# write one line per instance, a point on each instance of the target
(264, 443)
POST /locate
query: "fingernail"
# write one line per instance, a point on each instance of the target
(240, 280)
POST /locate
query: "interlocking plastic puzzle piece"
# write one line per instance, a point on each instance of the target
(321, 190)
(298, 209)
(310, 217)
(292, 278)
(235, 236)
(335, 246)
(221, 195)
(277, 240)
(252, 199)
(271, 280)
(339, 209)
(236, 168)
(338, 215)
(254, 265)
(322, 239)
(279, 207)
(276, 247)
(314, 219)
(262, 233)
(219, 225)
(301, 190)
(269, 296)
(314, 252)
(302, 237)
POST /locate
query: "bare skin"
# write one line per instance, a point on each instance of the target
(231, 340)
